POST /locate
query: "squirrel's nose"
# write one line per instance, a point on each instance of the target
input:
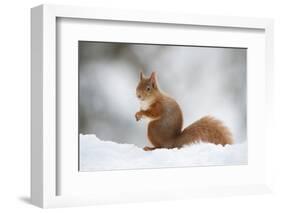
(139, 96)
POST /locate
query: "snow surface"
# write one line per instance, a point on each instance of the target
(96, 155)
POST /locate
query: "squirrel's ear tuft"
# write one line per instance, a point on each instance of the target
(141, 75)
(153, 79)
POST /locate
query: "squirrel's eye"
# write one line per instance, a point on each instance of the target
(148, 88)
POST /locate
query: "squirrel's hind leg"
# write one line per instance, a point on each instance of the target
(147, 148)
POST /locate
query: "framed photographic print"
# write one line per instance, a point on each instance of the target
(130, 102)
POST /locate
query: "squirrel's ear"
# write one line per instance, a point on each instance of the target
(141, 75)
(153, 79)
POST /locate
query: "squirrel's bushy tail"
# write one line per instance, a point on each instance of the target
(206, 129)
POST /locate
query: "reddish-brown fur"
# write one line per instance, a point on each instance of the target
(165, 127)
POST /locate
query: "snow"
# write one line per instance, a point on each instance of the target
(96, 155)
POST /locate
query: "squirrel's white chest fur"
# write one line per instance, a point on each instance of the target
(144, 105)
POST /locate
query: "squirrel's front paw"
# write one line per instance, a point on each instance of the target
(138, 115)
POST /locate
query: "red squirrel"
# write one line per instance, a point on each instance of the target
(166, 120)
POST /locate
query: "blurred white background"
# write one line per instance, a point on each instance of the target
(15, 105)
(203, 80)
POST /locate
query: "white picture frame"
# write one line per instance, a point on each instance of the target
(46, 168)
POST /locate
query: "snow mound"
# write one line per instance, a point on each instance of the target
(96, 155)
